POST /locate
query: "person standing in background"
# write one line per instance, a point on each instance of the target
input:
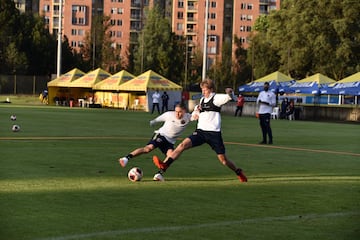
(156, 99)
(266, 101)
(239, 105)
(165, 102)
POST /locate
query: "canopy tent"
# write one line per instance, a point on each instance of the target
(107, 91)
(90, 79)
(310, 85)
(277, 81)
(347, 86)
(58, 88)
(143, 86)
(81, 88)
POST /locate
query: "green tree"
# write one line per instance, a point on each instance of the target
(158, 49)
(314, 36)
(241, 69)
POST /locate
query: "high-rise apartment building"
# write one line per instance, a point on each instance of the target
(226, 18)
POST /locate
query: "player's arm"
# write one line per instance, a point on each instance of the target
(161, 118)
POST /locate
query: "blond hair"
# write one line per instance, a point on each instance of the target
(208, 83)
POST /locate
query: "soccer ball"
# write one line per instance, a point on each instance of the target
(135, 174)
(15, 128)
(13, 117)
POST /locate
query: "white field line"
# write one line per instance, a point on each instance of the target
(116, 233)
(139, 138)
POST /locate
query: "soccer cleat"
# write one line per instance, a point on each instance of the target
(158, 177)
(242, 177)
(158, 163)
(123, 161)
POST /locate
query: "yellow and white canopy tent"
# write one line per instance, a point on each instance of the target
(107, 91)
(81, 88)
(143, 86)
(59, 87)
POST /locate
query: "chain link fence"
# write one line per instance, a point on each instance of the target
(21, 84)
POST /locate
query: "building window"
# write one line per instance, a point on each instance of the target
(82, 21)
(250, 6)
(212, 38)
(213, 15)
(180, 15)
(213, 4)
(248, 28)
(212, 50)
(212, 27)
(243, 6)
(46, 8)
(242, 28)
(249, 17)
(80, 32)
(118, 34)
(113, 10)
(80, 44)
(47, 20)
(73, 43)
(112, 22)
(119, 22)
(120, 11)
(243, 17)
(73, 32)
(179, 26)
(181, 4)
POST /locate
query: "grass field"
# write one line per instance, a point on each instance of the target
(60, 180)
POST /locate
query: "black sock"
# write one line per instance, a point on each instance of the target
(129, 156)
(238, 171)
(169, 161)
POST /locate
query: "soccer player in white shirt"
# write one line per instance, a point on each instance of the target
(266, 101)
(164, 138)
(208, 129)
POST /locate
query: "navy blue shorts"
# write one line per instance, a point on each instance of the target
(160, 142)
(214, 139)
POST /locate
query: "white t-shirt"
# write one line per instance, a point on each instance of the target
(156, 97)
(269, 97)
(211, 120)
(173, 126)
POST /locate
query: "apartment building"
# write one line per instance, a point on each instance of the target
(225, 18)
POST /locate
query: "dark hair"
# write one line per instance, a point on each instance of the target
(181, 105)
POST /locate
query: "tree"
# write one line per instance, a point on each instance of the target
(158, 48)
(317, 36)
(240, 68)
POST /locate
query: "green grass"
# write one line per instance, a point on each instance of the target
(60, 179)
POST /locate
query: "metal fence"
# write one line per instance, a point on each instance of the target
(21, 84)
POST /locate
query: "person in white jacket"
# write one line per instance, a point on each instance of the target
(208, 129)
(266, 101)
(165, 137)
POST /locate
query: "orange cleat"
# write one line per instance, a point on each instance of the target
(242, 177)
(158, 163)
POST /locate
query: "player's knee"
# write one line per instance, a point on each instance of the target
(147, 149)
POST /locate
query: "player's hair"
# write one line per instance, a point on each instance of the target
(181, 105)
(208, 83)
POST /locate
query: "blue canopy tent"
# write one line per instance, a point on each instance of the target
(310, 85)
(276, 81)
(348, 86)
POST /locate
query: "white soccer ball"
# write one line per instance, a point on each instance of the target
(135, 174)
(15, 128)
(13, 117)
